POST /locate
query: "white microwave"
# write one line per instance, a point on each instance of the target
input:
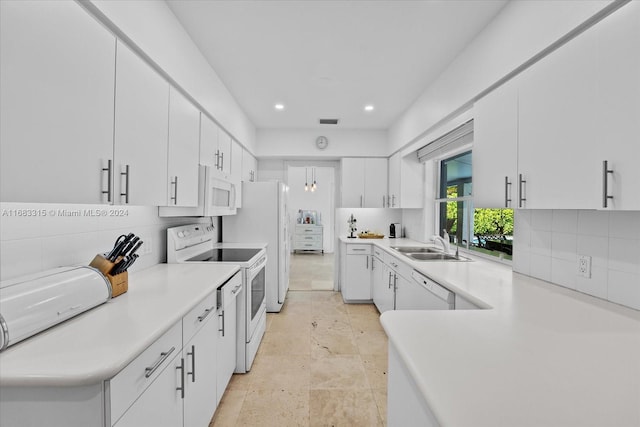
(216, 197)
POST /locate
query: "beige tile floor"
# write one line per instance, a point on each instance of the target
(321, 363)
(311, 271)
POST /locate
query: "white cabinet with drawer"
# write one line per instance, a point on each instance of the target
(227, 332)
(356, 275)
(308, 237)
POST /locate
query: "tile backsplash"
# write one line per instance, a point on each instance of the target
(548, 243)
(39, 236)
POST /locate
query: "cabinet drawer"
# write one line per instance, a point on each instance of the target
(308, 245)
(358, 249)
(309, 238)
(308, 229)
(228, 292)
(196, 318)
(398, 266)
(143, 370)
(378, 252)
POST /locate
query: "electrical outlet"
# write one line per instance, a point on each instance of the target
(584, 266)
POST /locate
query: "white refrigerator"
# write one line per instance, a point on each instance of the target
(264, 217)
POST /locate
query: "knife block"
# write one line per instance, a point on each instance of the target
(119, 282)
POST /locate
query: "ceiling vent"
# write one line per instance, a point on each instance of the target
(328, 121)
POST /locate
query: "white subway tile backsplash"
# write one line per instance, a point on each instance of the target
(521, 262)
(624, 255)
(624, 225)
(593, 223)
(624, 288)
(541, 220)
(595, 247)
(541, 243)
(564, 221)
(15, 223)
(20, 257)
(69, 219)
(563, 272)
(596, 285)
(563, 246)
(541, 267)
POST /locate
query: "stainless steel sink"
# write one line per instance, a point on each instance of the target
(415, 249)
(435, 257)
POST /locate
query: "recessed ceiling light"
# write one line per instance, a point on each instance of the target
(279, 106)
(368, 108)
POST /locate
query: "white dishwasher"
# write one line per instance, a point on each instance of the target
(422, 293)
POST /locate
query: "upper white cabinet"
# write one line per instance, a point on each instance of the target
(249, 167)
(215, 146)
(364, 182)
(406, 182)
(141, 123)
(183, 153)
(236, 170)
(495, 149)
(57, 68)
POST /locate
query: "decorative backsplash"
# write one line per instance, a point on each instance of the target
(548, 244)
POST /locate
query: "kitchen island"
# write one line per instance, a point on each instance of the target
(537, 354)
(65, 375)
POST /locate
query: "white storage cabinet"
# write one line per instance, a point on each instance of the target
(406, 182)
(308, 237)
(227, 333)
(382, 283)
(356, 283)
(364, 182)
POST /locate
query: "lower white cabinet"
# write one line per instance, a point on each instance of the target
(382, 285)
(356, 283)
(308, 237)
(227, 333)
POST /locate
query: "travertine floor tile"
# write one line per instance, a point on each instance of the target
(343, 408)
(285, 343)
(376, 367)
(295, 323)
(344, 372)
(279, 407)
(380, 395)
(371, 342)
(325, 345)
(365, 322)
(229, 408)
(280, 371)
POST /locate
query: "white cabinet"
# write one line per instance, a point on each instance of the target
(356, 283)
(57, 68)
(308, 237)
(406, 182)
(141, 123)
(236, 170)
(364, 182)
(227, 333)
(184, 151)
(382, 285)
(215, 146)
(495, 148)
(249, 167)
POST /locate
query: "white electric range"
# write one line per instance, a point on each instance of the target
(197, 243)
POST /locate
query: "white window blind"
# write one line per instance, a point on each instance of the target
(458, 137)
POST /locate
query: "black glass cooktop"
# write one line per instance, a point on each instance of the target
(226, 255)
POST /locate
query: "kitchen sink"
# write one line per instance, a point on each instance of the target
(415, 249)
(435, 257)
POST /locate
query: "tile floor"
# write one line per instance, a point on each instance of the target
(311, 271)
(321, 363)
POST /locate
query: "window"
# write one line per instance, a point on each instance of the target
(489, 231)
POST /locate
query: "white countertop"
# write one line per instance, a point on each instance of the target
(541, 355)
(97, 344)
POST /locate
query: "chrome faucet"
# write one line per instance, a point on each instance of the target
(445, 241)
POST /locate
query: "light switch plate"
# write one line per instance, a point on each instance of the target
(584, 266)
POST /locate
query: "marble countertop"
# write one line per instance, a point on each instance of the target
(539, 354)
(97, 344)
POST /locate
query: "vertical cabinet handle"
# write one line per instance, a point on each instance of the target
(221, 161)
(507, 187)
(393, 201)
(395, 282)
(192, 353)
(109, 170)
(126, 184)
(361, 200)
(605, 183)
(367, 257)
(222, 316)
(181, 368)
(217, 159)
(521, 187)
(383, 201)
(389, 280)
(174, 183)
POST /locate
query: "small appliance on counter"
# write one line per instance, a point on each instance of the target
(395, 230)
(33, 303)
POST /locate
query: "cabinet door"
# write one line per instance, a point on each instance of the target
(236, 170)
(56, 103)
(226, 347)
(357, 285)
(557, 146)
(161, 403)
(495, 148)
(184, 151)
(141, 121)
(200, 375)
(375, 183)
(352, 182)
(382, 285)
(618, 103)
(394, 181)
(249, 166)
(208, 142)
(224, 153)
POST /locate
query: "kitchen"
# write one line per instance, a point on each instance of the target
(551, 230)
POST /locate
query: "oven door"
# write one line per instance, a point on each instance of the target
(256, 290)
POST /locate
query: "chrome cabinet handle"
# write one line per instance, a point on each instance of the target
(389, 280)
(605, 183)
(181, 368)
(372, 266)
(217, 159)
(361, 200)
(204, 315)
(163, 356)
(507, 185)
(367, 257)
(383, 201)
(394, 264)
(109, 171)
(126, 184)
(174, 182)
(236, 289)
(395, 282)
(358, 249)
(521, 187)
(393, 201)
(222, 316)
(192, 353)
(222, 161)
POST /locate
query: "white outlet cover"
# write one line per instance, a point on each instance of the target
(584, 266)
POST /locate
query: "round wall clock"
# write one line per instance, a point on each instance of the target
(322, 142)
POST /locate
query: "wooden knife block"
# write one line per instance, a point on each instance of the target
(119, 282)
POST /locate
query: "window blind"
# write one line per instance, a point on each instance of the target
(458, 137)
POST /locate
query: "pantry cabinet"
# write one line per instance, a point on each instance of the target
(406, 182)
(364, 182)
(183, 153)
(141, 131)
(57, 67)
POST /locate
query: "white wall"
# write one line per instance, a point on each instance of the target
(519, 31)
(153, 27)
(301, 143)
(30, 244)
(547, 244)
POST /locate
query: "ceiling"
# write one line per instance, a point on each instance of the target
(330, 58)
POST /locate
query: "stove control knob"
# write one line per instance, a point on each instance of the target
(180, 234)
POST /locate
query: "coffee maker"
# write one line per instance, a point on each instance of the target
(395, 230)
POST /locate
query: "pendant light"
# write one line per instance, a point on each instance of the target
(313, 186)
(306, 175)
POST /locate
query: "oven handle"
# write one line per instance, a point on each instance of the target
(258, 265)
